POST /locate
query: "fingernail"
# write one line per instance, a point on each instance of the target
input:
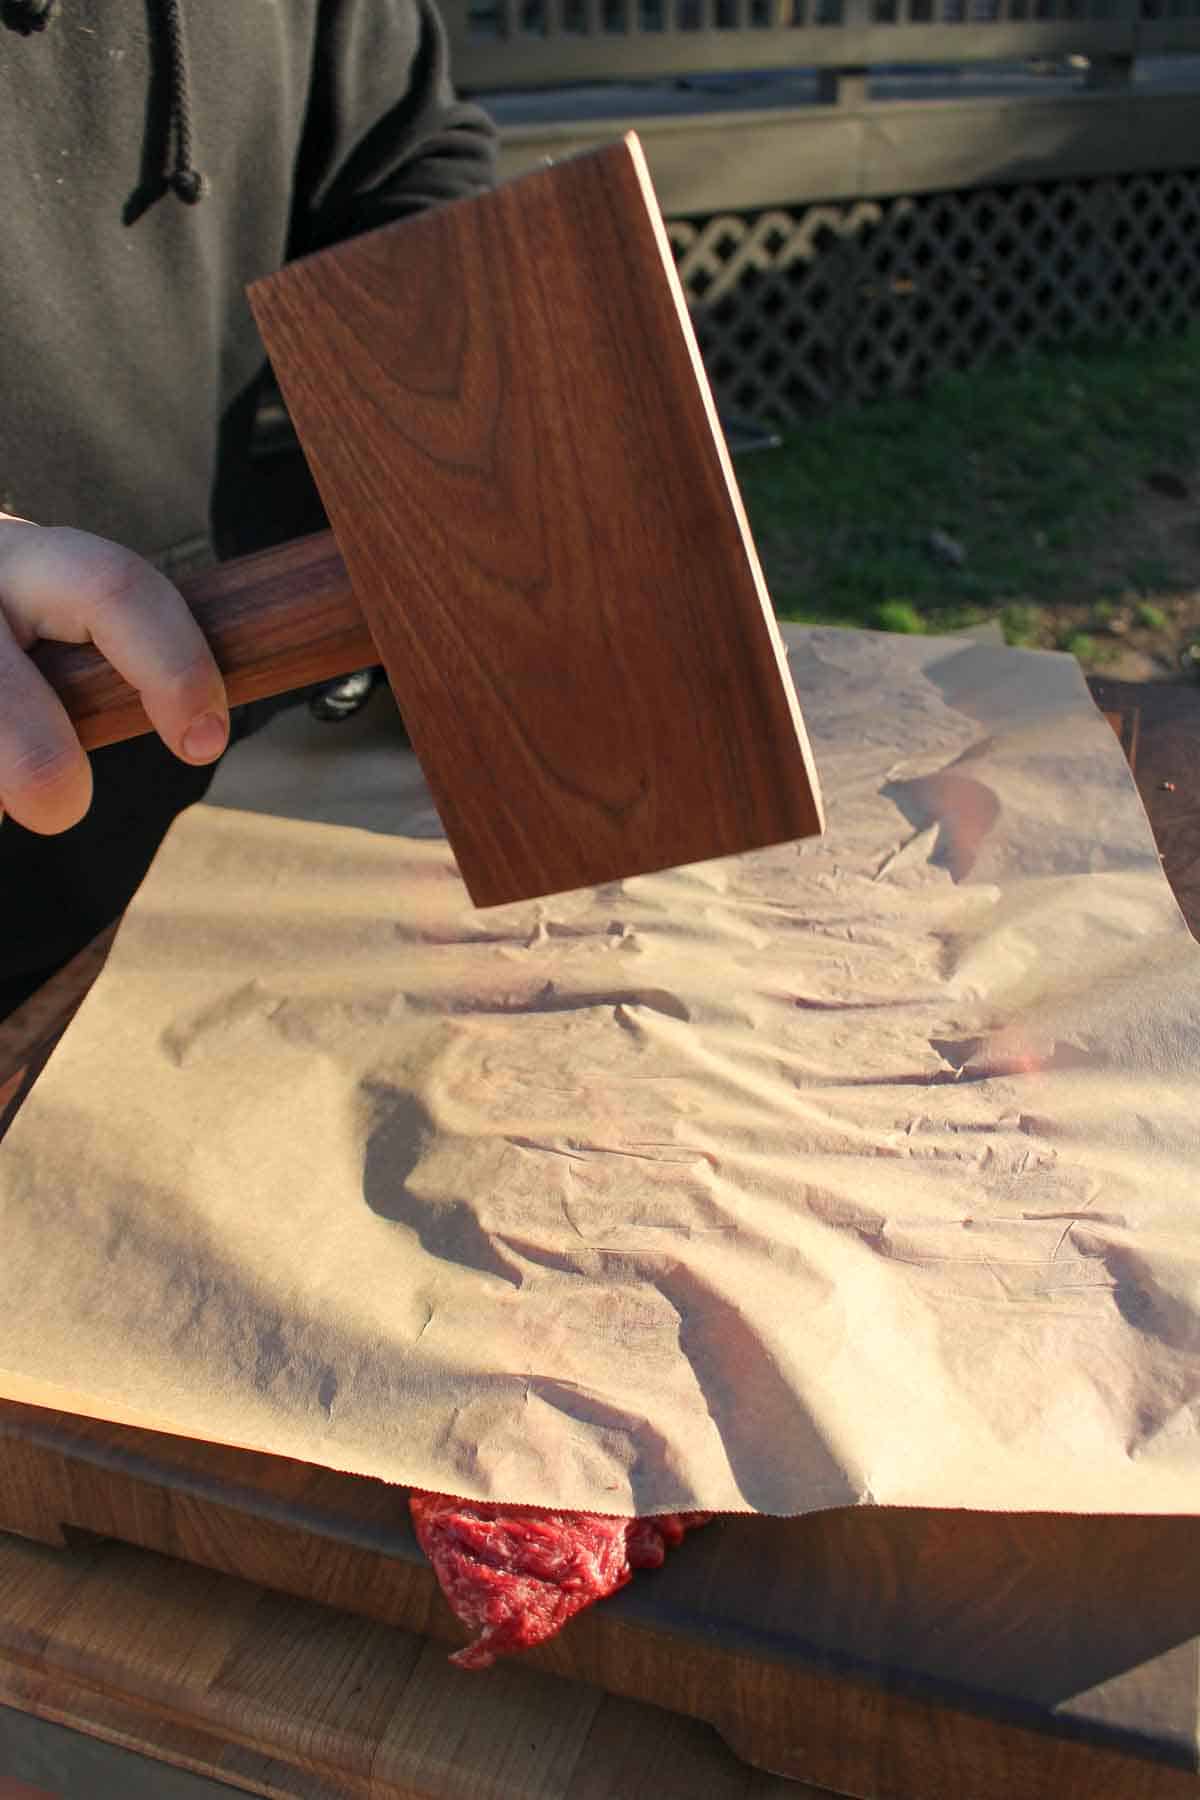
(205, 737)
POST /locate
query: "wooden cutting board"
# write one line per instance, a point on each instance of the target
(869, 1651)
(1057, 1658)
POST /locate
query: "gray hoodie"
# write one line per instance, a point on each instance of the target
(159, 156)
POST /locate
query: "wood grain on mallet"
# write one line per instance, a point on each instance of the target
(504, 409)
(274, 621)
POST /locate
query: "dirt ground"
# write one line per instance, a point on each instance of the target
(1143, 634)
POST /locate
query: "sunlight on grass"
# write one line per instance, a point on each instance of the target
(1036, 469)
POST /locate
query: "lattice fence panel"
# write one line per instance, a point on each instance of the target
(823, 305)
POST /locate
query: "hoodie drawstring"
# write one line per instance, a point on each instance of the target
(184, 180)
(27, 15)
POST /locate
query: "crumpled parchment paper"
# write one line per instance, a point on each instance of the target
(858, 1170)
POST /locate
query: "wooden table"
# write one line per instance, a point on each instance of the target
(173, 1602)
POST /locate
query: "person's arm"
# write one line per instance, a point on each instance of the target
(386, 135)
(75, 588)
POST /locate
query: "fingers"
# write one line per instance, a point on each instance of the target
(45, 778)
(72, 587)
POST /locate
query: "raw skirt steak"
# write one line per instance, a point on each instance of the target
(514, 1575)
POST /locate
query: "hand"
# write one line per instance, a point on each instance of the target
(75, 588)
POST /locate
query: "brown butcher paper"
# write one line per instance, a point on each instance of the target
(860, 1170)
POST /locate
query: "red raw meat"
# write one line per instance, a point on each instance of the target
(516, 1574)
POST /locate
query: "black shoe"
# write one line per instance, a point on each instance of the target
(342, 698)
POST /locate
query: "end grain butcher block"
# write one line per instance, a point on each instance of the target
(892, 1654)
(505, 411)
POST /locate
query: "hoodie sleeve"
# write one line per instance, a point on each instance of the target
(385, 134)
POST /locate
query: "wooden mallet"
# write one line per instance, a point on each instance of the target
(538, 533)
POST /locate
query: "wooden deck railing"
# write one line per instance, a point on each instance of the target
(880, 207)
(507, 44)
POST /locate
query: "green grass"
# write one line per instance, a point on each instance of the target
(897, 615)
(1021, 624)
(1037, 469)
(1080, 644)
